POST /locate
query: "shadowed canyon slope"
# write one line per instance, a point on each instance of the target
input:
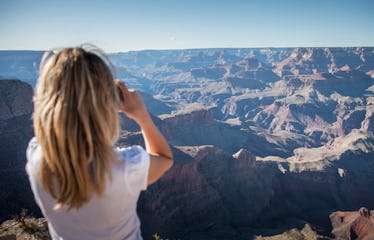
(265, 140)
(15, 132)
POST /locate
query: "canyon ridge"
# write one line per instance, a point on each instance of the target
(265, 139)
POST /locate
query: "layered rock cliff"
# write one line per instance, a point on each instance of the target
(237, 194)
(262, 138)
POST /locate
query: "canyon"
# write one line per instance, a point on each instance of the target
(265, 139)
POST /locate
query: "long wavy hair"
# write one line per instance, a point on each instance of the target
(76, 124)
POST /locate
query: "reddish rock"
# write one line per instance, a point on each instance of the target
(244, 159)
(353, 225)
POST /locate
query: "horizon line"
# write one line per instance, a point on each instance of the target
(181, 49)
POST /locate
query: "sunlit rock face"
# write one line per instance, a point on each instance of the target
(305, 115)
(353, 225)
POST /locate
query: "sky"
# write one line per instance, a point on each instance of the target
(127, 25)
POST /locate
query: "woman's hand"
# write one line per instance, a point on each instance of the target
(155, 143)
(132, 105)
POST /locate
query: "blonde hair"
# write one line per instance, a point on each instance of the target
(76, 124)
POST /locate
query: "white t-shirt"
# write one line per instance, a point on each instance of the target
(111, 216)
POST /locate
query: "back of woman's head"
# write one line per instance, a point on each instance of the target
(76, 124)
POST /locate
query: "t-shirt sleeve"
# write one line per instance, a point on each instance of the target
(137, 162)
(33, 155)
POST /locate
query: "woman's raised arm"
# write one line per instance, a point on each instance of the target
(155, 143)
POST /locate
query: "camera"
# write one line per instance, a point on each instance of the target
(119, 91)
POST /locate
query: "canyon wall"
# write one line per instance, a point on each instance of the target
(264, 140)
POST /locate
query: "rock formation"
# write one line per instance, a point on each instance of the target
(15, 132)
(353, 225)
(260, 137)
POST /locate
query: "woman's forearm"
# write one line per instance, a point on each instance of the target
(155, 142)
(161, 157)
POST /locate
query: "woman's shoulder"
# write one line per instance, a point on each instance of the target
(136, 161)
(33, 144)
(132, 154)
(32, 148)
(33, 155)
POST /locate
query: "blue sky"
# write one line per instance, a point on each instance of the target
(165, 24)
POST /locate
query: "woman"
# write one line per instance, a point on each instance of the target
(86, 188)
